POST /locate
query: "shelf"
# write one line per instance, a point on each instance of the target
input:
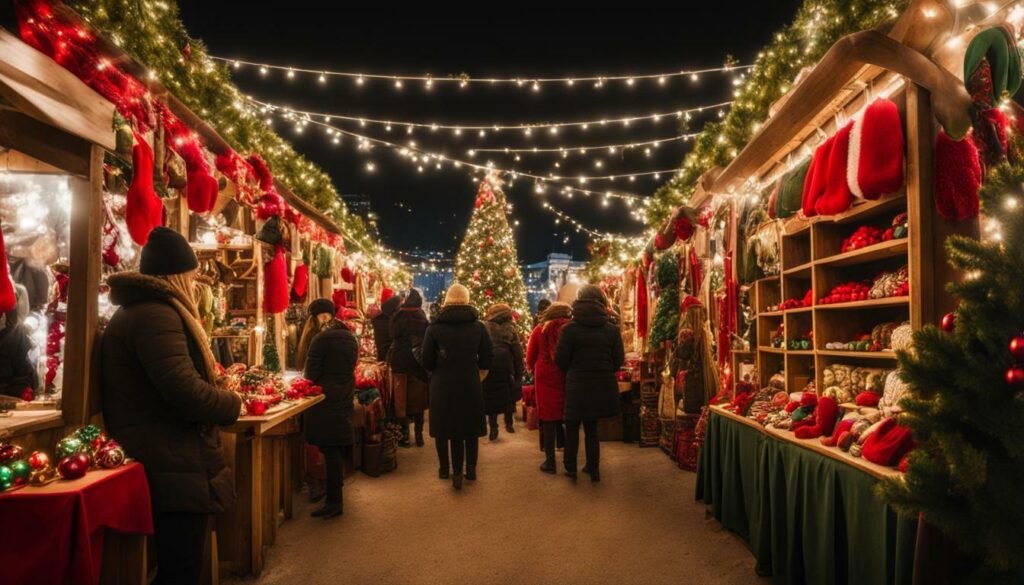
(879, 251)
(871, 304)
(23, 422)
(800, 352)
(797, 227)
(771, 314)
(802, 271)
(871, 208)
(775, 350)
(222, 247)
(799, 310)
(871, 355)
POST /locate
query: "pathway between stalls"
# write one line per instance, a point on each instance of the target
(640, 525)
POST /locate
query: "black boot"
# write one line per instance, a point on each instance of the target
(419, 430)
(593, 472)
(443, 473)
(404, 441)
(548, 467)
(330, 509)
(470, 473)
(457, 481)
(493, 419)
(509, 420)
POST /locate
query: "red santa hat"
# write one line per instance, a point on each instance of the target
(836, 198)
(143, 209)
(817, 173)
(826, 414)
(875, 161)
(386, 294)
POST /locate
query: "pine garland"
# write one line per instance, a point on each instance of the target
(666, 315)
(967, 472)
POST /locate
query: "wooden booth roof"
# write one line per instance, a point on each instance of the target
(37, 86)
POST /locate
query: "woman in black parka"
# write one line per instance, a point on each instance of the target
(331, 364)
(590, 352)
(457, 352)
(161, 401)
(407, 328)
(382, 326)
(503, 385)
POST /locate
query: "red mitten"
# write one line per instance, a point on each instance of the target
(836, 197)
(143, 210)
(958, 178)
(843, 427)
(825, 416)
(817, 174)
(275, 283)
(869, 399)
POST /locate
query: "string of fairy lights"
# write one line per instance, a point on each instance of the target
(463, 81)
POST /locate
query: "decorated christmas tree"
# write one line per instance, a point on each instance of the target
(967, 409)
(487, 263)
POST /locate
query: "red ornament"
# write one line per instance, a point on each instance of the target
(73, 466)
(27, 395)
(1015, 377)
(39, 460)
(1017, 348)
(489, 293)
(255, 407)
(948, 323)
(10, 453)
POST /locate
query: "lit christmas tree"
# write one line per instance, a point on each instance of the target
(487, 263)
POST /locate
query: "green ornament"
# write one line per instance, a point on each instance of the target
(805, 344)
(6, 476)
(88, 433)
(21, 469)
(69, 446)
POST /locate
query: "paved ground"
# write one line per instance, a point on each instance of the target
(640, 525)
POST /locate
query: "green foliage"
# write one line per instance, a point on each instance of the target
(487, 262)
(323, 261)
(968, 469)
(666, 315)
(817, 26)
(271, 359)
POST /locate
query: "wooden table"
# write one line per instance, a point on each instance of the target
(261, 451)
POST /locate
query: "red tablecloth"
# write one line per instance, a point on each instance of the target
(55, 532)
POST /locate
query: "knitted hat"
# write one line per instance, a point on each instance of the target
(167, 252)
(996, 45)
(817, 174)
(957, 177)
(836, 197)
(320, 306)
(875, 161)
(413, 300)
(457, 295)
(889, 443)
(386, 294)
(557, 311)
(791, 189)
(591, 292)
(543, 304)
(498, 310)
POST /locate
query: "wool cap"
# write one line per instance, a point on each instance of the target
(321, 306)
(167, 252)
(457, 295)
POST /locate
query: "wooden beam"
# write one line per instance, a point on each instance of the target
(17, 162)
(83, 291)
(45, 143)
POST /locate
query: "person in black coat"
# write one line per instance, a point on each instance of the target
(590, 352)
(18, 373)
(382, 327)
(331, 364)
(161, 402)
(457, 352)
(407, 328)
(503, 386)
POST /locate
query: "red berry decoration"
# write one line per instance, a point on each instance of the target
(38, 460)
(255, 407)
(73, 466)
(1015, 377)
(1017, 348)
(948, 323)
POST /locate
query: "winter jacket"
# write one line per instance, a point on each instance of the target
(504, 382)
(158, 403)
(17, 371)
(455, 348)
(590, 352)
(382, 327)
(407, 328)
(331, 364)
(549, 379)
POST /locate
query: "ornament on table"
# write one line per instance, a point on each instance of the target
(38, 460)
(111, 455)
(22, 471)
(88, 433)
(10, 453)
(948, 323)
(255, 407)
(6, 477)
(42, 476)
(70, 446)
(74, 466)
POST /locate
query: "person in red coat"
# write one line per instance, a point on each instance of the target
(549, 379)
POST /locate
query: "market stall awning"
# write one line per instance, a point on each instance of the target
(37, 86)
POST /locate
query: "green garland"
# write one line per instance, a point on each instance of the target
(666, 315)
(153, 34)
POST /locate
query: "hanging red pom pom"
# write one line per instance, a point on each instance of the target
(143, 208)
(275, 283)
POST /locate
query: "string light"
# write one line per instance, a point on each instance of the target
(527, 128)
(611, 148)
(463, 81)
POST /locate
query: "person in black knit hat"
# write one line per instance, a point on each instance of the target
(161, 400)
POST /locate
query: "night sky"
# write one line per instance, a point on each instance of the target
(430, 210)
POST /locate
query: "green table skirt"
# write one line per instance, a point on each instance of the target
(806, 517)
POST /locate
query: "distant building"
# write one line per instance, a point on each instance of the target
(544, 279)
(432, 280)
(360, 205)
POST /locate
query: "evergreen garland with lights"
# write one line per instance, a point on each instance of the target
(487, 262)
(666, 316)
(967, 408)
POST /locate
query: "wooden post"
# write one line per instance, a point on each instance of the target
(83, 290)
